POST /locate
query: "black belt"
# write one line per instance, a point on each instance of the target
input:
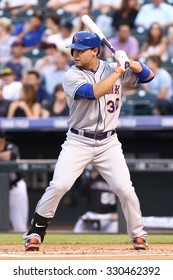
(100, 136)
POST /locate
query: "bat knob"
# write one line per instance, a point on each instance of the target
(127, 64)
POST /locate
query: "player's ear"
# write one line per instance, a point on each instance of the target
(95, 51)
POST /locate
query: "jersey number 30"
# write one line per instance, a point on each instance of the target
(112, 106)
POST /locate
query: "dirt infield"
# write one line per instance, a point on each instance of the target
(87, 252)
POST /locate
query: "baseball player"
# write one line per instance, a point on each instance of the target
(93, 89)
(101, 212)
(18, 196)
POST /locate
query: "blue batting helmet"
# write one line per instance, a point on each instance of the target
(84, 40)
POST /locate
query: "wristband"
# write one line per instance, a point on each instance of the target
(144, 74)
(119, 71)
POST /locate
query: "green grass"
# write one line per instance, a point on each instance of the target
(57, 238)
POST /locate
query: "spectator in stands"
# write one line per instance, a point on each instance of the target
(157, 11)
(123, 40)
(155, 43)
(64, 37)
(70, 6)
(30, 33)
(111, 4)
(6, 39)
(78, 25)
(47, 62)
(104, 21)
(101, 212)
(18, 196)
(126, 13)
(12, 88)
(58, 106)
(33, 78)
(4, 104)
(161, 86)
(16, 7)
(19, 62)
(170, 43)
(27, 105)
(52, 27)
(54, 77)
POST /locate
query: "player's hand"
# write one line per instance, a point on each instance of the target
(123, 59)
(119, 69)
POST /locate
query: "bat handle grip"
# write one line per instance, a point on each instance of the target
(127, 64)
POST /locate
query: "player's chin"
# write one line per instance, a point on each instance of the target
(78, 63)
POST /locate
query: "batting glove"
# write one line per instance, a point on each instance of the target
(123, 59)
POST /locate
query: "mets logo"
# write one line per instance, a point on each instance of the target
(76, 38)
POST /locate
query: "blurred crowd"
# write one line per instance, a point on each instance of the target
(33, 54)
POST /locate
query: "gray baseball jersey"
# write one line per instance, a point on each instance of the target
(98, 115)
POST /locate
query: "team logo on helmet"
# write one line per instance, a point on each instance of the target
(76, 38)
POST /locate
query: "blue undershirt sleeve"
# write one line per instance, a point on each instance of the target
(85, 91)
(143, 75)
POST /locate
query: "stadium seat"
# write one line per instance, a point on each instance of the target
(5, 14)
(143, 103)
(42, 3)
(168, 65)
(127, 108)
(139, 34)
(35, 54)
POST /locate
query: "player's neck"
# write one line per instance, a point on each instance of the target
(92, 67)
